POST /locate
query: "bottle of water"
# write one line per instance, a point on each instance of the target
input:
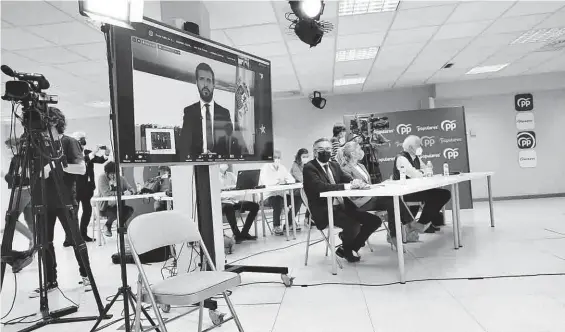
(402, 174)
(445, 169)
(429, 169)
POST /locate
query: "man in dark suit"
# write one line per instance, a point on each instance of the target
(205, 120)
(321, 175)
(228, 145)
(86, 184)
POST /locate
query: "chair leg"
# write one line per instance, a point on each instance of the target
(137, 319)
(232, 310)
(369, 245)
(327, 246)
(200, 316)
(327, 242)
(307, 243)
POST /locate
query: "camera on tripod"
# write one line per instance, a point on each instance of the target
(26, 90)
(368, 127)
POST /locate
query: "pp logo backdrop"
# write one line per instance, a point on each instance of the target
(524, 102)
(442, 131)
(526, 140)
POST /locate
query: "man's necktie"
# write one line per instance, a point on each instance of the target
(228, 142)
(209, 129)
(337, 200)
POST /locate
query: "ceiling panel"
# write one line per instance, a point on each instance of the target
(85, 69)
(488, 40)
(409, 36)
(366, 23)
(266, 50)
(411, 4)
(513, 24)
(389, 74)
(346, 89)
(68, 33)
(397, 55)
(280, 65)
(460, 30)
(360, 40)
(229, 14)
(18, 39)
(95, 51)
(286, 82)
(427, 16)
(220, 37)
(556, 63)
(298, 47)
(27, 13)
(478, 11)
(51, 55)
(471, 57)
(257, 34)
(352, 68)
(68, 7)
(533, 7)
(448, 75)
(6, 25)
(556, 20)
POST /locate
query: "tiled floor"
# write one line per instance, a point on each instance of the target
(529, 238)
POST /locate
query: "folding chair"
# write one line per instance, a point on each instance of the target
(158, 229)
(308, 226)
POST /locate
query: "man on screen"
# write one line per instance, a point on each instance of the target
(205, 120)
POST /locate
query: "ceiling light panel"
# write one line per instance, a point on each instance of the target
(356, 7)
(540, 36)
(349, 81)
(356, 54)
(487, 69)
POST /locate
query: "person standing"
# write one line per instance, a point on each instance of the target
(86, 184)
(338, 139)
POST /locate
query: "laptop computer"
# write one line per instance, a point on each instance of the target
(248, 179)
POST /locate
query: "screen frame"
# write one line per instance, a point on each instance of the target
(121, 102)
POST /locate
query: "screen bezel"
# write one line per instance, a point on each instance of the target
(122, 101)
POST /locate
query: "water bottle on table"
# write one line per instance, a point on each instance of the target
(445, 169)
(429, 169)
(402, 174)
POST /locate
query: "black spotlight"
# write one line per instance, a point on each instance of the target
(317, 100)
(307, 9)
(310, 32)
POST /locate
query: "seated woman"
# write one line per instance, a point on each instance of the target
(301, 158)
(353, 154)
(230, 205)
(272, 175)
(107, 187)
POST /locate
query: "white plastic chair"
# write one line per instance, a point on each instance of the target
(153, 230)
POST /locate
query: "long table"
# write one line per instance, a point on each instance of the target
(270, 189)
(409, 186)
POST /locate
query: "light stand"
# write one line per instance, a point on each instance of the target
(125, 290)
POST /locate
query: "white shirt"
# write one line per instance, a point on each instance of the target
(203, 113)
(346, 186)
(411, 171)
(272, 176)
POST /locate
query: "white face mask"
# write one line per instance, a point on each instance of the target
(305, 160)
(341, 140)
(277, 162)
(419, 151)
(223, 168)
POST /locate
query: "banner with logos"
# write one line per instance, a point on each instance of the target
(525, 124)
(443, 135)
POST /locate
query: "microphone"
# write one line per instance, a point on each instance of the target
(42, 82)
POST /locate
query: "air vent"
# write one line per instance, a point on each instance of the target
(554, 46)
(286, 94)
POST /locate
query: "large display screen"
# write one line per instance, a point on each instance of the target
(185, 99)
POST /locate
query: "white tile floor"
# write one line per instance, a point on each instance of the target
(529, 239)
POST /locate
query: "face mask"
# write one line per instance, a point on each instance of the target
(419, 151)
(277, 162)
(82, 141)
(324, 156)
(223, 168)
(305, 160)
(342, 140)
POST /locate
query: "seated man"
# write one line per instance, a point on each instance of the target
(272, 175)
(321, 175)
(107, 188)
(229, 206)
(433, 199)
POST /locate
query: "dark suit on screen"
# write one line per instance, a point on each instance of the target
(357, 225)
(191, 137)
(228, 145)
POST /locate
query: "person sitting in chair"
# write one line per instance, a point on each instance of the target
(433, 199)
(230, 205)
(107, 188)
(321, 175)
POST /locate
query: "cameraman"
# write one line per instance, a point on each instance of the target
(72, 154)
(107, 188)
(86, 184)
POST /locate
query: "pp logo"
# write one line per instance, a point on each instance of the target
(448, 125)
(428, 141)
(526, 139)
(151, 33)
(451, 153)
(404, 129)
(524, 102)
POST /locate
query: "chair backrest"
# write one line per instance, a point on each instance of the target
(158, 229)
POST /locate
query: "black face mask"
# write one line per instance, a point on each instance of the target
(324, 156)
(82, 141)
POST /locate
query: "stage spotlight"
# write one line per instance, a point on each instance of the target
(309, 32)
(317, 100)
(115, 12)
(307, 9)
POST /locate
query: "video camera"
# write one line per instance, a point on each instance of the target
(26, 90)
(367, 127)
